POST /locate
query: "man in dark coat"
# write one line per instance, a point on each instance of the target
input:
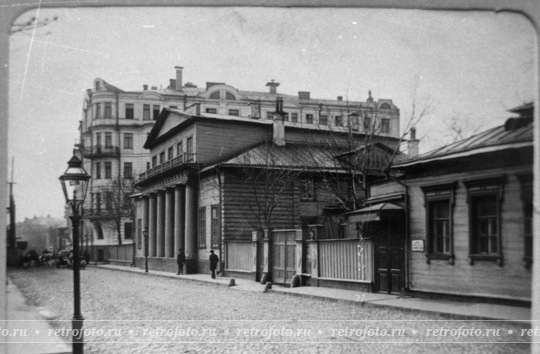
(180, 260)
(214, 260)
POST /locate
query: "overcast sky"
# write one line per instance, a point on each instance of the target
(469, 65)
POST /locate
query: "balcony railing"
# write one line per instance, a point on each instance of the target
(167, 165)
(101, 151)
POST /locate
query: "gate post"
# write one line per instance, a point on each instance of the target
(299, 257)
(256, 237)
(265, 276)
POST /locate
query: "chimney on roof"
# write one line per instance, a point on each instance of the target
(178, 85)
(154, 87)
(279, 125)
(273, 86)
(413, 143)
(172, 84)
(145, 87)
(370, 99)
(303, 95)
(340, 98)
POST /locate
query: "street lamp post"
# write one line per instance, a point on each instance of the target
(74, 184)
(145, 234)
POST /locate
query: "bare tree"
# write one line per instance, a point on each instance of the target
(118, 204)
(360, 150)
(264, 178)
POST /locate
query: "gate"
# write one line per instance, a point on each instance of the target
(283, 251)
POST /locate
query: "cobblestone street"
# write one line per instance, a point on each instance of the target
(136, 313)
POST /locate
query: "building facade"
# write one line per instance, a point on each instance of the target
(116, 123)
(217, 182)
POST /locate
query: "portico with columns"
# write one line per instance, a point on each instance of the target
(168, 211)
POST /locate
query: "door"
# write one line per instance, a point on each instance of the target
(283, 251)
(389, 256)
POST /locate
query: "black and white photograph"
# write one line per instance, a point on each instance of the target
(269, 177)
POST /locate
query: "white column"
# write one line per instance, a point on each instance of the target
(179, 218)
(152, 226)
(160, 229)
(169, 223)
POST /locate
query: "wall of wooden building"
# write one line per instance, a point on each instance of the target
(483, 278)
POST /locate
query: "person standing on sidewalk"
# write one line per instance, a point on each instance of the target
(180, 260)
(214, 260)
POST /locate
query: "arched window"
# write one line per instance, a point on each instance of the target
(215, 96)
(229, 96)
(385, 106)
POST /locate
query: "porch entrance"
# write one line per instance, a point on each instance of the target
(283, 252)
(389, 235)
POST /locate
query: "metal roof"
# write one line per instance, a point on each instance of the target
(515, 133)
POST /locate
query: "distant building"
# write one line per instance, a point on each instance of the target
(116, 123)
(39, 233)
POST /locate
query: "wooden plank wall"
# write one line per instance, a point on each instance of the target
(238, 220)
(219, 139)
(483, 278)
(239, 256)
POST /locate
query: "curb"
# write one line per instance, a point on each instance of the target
(373, 304)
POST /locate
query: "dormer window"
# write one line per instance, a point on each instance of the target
(229, 96)
(98, 86)
(215, 96)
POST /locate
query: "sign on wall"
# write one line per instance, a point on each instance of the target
(417, 245)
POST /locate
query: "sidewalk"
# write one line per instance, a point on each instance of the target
(454, 309)
(31, 320)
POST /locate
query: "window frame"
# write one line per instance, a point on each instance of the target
(128, 141)
(201, 227)
(234, 112)
(307, 190)
(98, 170)
(526, 227)
(139, 233)
(436, 194)
(385, 125)
(98, 111)
(108, 140)
(210, 110)
(155, 111)
(108, 170)
(323, 119)
(189, 149)
(146, 112)
(130, 111)
(309, 118)
(481, 189)
(108, 110)
(130, 169)
(130, 227)
(214, 226)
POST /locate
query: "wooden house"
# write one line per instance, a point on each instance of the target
(251, 190)
(468, 212)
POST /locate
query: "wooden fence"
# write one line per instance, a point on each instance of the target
(239, 256)
(347, 259)
(123, 253)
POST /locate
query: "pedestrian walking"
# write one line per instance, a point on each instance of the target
(180, 260)
(214, 260)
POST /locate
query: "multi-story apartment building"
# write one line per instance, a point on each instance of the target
(115, 125)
